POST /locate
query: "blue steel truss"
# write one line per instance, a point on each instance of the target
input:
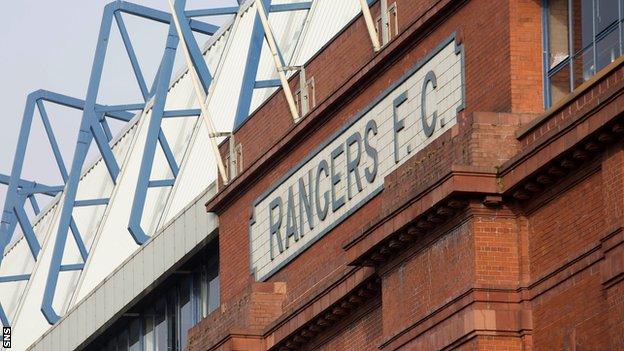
(94, 127)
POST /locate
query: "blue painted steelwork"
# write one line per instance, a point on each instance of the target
(269, 83)
(19, 190)
(212, 12)
(291, 7)
(182, 113)
(72, 267)
(251, 69)
(94, 127)
(92, 202)
(14, 278)
(117, 108)
(132, 56)
(195, 52)
(253, 60)
(160, 183)
(153, 133)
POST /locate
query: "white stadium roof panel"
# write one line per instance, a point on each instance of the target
(104, 228)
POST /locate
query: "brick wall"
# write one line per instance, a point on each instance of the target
(500, 273)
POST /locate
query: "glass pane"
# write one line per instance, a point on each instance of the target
(172, 322)
(122, 341)
(197, 294)
(558, 49)
(560, 84)
(112, 345)
(148, 330)
(213, 294)
(607, 48)
(582, 22)
(606, 14)
(583, 66)
(160, 326)
(186, 311)
(135, 335)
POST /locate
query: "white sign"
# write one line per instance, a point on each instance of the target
(348, 169)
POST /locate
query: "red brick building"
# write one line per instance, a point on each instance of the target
(488, 217)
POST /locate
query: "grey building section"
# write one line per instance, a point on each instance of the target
(135, 278)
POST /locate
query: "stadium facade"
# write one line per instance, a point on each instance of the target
(389, 175)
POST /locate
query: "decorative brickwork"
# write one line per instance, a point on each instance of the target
(503, 233)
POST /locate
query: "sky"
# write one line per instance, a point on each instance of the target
(50, 45)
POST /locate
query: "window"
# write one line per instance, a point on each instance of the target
(581, 37)
(162, 324)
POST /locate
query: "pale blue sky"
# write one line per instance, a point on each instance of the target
(49, 44)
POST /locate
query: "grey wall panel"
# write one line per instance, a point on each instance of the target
(132, 278)
(159, 253)
(180, 238)
(147, 265)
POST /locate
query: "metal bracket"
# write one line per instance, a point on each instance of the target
(370, 24)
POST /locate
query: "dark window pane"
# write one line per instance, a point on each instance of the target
(148, 330)
(606, 14)
(582, 24)
(186, 311)
(608, 48)
(197, 294)
(172, 323)
(135, 335)
(560, 84)
(112, 345)
(122, 341)
(160, 326)
(558, 48)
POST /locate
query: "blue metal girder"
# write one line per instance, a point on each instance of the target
(138, 74)
(3, 317)
(93, 126)
(195, 52)
(157, 15)
(212, 12)
(86, 133)
(78, 239)
(106, 128)
(78, 104)
(34, 204)
(117, 108)
(53, 144)
(161, 183)
(14, 278)
(251, 69)
(8, 222)
(299, 6)
(164, 145)
(92, 202)
(29, 233)
(153, 133)
(72, 267)
(26, 187)
(182, 113)
(269, 83)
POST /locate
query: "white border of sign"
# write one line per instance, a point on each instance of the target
(260, 273)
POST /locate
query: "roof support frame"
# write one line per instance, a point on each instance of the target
(93, 129)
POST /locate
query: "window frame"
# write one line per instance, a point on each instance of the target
(568, 62)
